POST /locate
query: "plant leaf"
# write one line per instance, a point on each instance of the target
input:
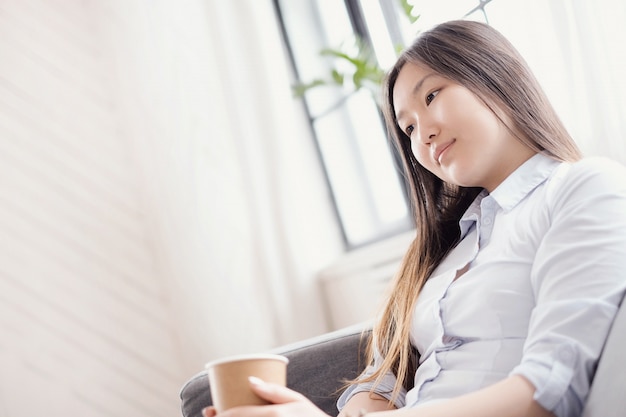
(408, 11)
(301, 88)
(338, 78)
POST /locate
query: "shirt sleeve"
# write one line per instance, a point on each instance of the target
(579, 279)
(384, 388)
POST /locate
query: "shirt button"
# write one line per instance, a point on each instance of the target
(487, 221)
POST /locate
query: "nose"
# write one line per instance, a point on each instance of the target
(428, 130)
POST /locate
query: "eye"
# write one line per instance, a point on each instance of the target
(409, 130)
(430, 97)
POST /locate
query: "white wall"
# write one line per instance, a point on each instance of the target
(143, 221)
(242, 217)
(85, 319)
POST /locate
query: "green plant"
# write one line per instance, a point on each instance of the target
(354, 65)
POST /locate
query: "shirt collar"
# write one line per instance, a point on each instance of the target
(523, 180)
(513, 189)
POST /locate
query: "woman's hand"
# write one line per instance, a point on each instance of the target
(284, 403)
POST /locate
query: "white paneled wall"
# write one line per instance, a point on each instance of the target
(85, 325)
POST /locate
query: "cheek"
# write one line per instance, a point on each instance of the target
(422, 154)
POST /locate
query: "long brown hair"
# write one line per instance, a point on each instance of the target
(478, 57)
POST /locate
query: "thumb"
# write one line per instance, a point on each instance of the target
(208, 412)
(274, 393)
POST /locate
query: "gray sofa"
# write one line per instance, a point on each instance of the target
(318, 366)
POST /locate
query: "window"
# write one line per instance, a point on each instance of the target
(361, 168)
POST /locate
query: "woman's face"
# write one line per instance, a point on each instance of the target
(453, 133)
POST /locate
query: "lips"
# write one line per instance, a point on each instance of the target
(440, 149)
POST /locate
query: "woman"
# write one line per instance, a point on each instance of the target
(505, 297)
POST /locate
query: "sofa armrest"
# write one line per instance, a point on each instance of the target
(606, 397)
(317, 368)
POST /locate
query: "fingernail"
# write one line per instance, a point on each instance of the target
(255, 381)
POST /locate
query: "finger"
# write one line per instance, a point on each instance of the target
(274, 393)
(209, 412)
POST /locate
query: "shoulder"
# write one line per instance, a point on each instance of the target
(588, 177)
(599, 166)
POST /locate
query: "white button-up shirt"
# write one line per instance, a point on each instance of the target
(546, 253)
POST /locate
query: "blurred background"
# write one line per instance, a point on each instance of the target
(166, 199)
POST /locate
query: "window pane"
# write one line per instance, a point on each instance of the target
(310, 27)
(387, 194)
(382, 44)
(366, 185)
(360, 167)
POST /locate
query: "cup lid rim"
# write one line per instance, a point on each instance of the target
(245, 357)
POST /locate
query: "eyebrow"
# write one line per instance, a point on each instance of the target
(416, 88)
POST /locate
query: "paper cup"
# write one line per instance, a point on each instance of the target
(228, 378)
